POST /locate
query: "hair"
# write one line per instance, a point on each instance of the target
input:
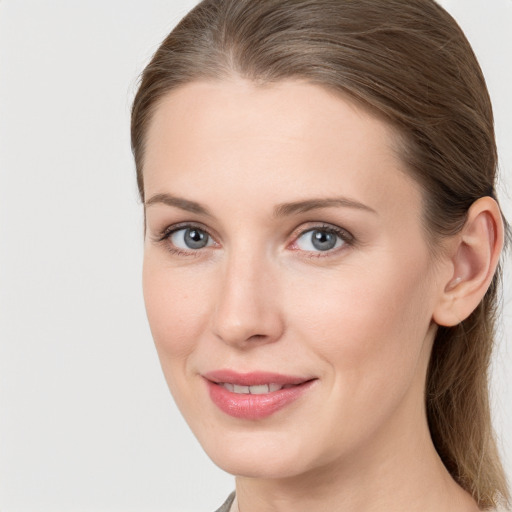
(409, 62)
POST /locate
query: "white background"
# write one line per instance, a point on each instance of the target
(86, 421)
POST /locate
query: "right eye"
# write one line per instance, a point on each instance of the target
(190, 239)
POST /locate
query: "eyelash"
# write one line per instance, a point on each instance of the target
(346, 237)
(165, 235)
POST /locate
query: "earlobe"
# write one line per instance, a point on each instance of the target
(474, 258)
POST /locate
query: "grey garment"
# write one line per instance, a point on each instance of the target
(227, 503)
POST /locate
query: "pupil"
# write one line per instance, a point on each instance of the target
(195, 239)
(323, 241)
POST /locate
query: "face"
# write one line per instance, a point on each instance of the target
(287, 279)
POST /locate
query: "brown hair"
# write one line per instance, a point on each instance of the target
(409, 61)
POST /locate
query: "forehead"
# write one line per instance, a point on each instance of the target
(289, 136)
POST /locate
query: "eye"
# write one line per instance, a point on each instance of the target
(321, 239)
(190, 238)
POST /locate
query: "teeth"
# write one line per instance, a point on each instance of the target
(261, 389)
(258, 390)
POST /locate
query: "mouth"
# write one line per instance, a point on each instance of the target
(255, 395)
(259, 389)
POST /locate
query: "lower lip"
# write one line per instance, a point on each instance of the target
(254, 407)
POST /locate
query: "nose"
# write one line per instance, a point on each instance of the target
(247, 311)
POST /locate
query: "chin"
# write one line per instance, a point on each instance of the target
(258, 467)
(260, 455)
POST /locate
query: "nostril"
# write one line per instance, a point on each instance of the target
(257, 337)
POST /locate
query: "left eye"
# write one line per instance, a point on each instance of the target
(190, 238)
(319, 240)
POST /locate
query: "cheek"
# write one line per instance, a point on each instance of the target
(367, 325)
(176, 309)
(369, 329)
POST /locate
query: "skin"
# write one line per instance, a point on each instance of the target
(359, 318)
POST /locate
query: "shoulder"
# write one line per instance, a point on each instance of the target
(227, 504)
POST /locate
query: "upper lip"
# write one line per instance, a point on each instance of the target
(255, 378)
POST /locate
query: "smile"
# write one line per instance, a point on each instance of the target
(261, 389)
(254, 396)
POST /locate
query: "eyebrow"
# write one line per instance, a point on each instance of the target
(297, 207)
(178, 202)
(281, 210)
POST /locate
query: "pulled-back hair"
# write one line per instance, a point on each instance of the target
(409, 62)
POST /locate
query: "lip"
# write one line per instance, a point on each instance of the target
(254, 407)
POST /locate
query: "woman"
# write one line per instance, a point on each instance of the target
(322, 251)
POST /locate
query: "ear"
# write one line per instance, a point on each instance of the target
(473, 256)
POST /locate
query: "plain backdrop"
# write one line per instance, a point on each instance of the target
(86, 421)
